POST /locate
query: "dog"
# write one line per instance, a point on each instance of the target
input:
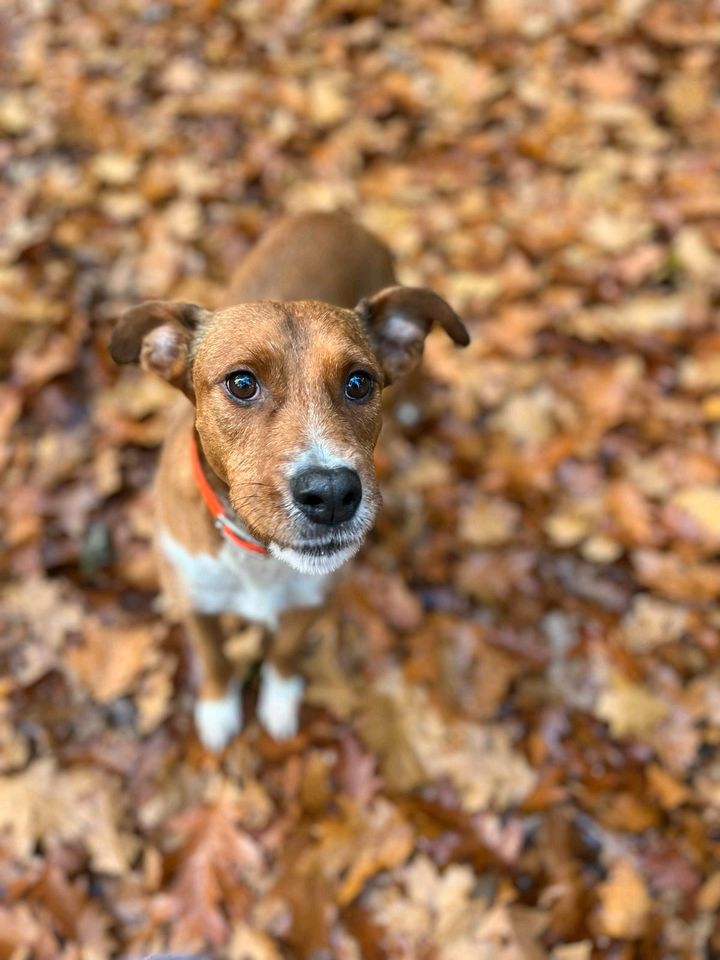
(266, 484)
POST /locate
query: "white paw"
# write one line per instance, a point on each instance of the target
(279, 703)
(218, 721)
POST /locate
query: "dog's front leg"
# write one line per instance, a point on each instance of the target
(281, 686)
(218, 708)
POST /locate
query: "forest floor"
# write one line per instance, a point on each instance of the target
(510, 743)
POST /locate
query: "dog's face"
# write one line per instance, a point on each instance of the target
(288, 408)
(288, 413)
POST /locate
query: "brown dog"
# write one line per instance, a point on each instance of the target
(266, 482)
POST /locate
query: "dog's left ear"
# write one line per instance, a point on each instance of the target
(398, 320)
(158, 334)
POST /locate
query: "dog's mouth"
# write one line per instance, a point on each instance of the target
(310, 547)
(318, 556)
(320, 548)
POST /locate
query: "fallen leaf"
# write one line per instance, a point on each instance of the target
(78, 806)
(630, 709)
(702, 504)
(651, 622)
(488, 522)
(624, 902)
(212, 861)
(109, 660)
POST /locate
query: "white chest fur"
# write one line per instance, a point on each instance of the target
(234, 580)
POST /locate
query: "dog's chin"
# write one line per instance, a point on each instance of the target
(315, 560)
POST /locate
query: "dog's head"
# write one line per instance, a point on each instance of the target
(287, 404)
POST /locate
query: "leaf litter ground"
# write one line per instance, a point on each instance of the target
(510, 747)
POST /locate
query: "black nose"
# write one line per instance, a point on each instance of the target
(327, 496)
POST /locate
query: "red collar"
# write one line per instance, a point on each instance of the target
(222, 521)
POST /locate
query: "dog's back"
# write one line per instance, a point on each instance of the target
(314, 256)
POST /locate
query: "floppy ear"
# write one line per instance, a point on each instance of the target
(159, 334)
(398, 320)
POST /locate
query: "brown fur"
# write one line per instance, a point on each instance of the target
(295, 329)
(314, 256)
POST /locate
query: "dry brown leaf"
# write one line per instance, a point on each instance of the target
(709, 893)
(46, 613)
(77, 806)
(630, 709)
(109, 660)
(478, 760)
(430, 909)
(378, 840)
(153, 696)
(546, 555)
(582, 950)
(675, 578)
(625, 904)
(652, 622)
(488, 521)
(702, 504)
(669, 791)
(212, 861)
(249, 944)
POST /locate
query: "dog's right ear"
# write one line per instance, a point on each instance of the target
(159, 334)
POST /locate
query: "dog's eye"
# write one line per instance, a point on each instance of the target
(242, 385)
(359, 385)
